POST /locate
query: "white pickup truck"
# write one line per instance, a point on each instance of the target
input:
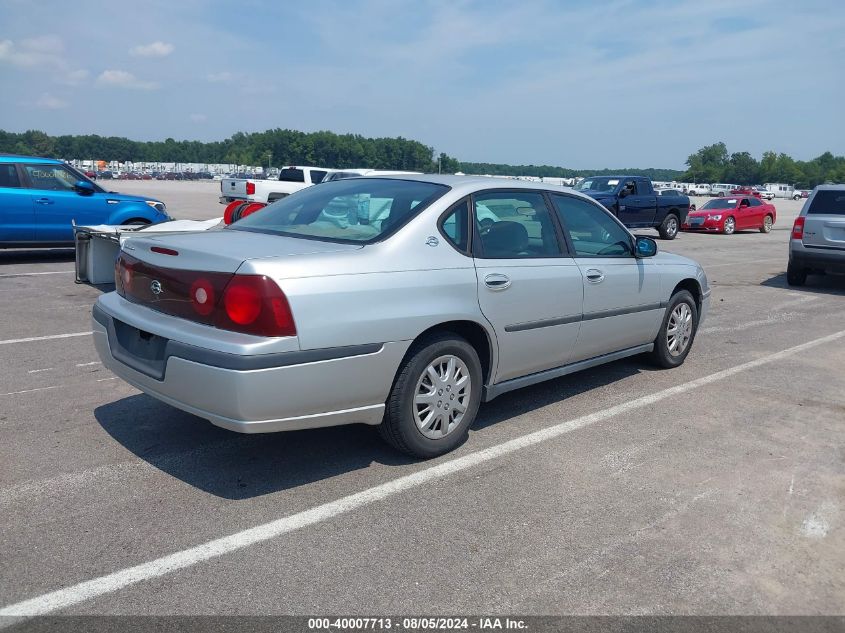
(291, 179)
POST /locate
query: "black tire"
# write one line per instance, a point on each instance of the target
(399, 428)
(767, 226)
(669, 228)
(795, 275)
(661, 356)
(721, 194)
(136, 222)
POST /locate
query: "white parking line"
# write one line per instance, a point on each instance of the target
(14, 393)
(43, 338)
(96, 362)
(743, 263)
(52, 272)
(63, 598)
(38, 371)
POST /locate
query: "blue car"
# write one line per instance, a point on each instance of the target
(41, 198)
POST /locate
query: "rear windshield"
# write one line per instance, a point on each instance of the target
(355, 210)
(292, 175)
(724, 203)
(829, 202)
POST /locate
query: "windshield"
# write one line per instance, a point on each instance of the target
(724, 203)
(359, 210)
(597, 184)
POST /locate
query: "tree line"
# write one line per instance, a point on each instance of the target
(290, 147)
(713, 164)
(272, 147)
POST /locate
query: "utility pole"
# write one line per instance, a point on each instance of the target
(269, 158)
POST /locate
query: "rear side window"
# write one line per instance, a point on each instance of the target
(292, 175)
(456, 227)
(514, 225)
(9, 176)
(755, 202)
(317, 176)
(828, 202)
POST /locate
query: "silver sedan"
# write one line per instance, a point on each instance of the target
(402, 302)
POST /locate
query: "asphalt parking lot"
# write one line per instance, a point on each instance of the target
(715, 488)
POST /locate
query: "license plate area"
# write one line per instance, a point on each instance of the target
(142, 351)
(696, 221)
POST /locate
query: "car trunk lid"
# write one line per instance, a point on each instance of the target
(824, 224)
(187, 275)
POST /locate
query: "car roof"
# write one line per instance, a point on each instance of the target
(464, 185)
(16, 158)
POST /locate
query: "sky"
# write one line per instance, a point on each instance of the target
(580, 84)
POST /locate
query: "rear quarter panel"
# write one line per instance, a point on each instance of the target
(389, 291)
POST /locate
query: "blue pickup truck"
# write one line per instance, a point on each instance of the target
(633, 200)
(41, 198)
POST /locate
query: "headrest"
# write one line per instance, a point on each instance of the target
(505, 238)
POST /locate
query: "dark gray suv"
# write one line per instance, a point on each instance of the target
(818, 235)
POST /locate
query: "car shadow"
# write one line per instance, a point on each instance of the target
(527, 399)
(36, 256)
(237, 466)
(817, 284)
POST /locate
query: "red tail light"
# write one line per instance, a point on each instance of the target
(250, 188)
(252, 304)
(258, 306)
(798, 229)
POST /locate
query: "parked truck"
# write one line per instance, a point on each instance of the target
(633, 200)
(291, 179)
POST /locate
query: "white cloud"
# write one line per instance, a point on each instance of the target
(198, 118)
(220, 77)
(124, 79)
(154, 49)
(44, 51)
(48, 102)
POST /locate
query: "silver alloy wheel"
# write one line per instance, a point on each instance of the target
(730, 225)
(671, 226)
(442, 396)
(767, 224)
(679, 329)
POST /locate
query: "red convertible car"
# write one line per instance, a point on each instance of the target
(730, 214)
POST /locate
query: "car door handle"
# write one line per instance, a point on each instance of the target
(497, 281)
(44, 200)
(595, 276)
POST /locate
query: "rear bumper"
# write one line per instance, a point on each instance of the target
(828, 260)
(260, 393)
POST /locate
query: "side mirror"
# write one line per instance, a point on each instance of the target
(84, 188)
(623, 192)
(645, 247)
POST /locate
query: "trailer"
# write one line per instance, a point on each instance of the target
(780, 189)
(97, 246)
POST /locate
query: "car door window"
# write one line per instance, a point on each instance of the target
(514, 225)
(50, 177)
(591, 230)
(455, 226)
(756, 203)
(9, 176)
(744, 203)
